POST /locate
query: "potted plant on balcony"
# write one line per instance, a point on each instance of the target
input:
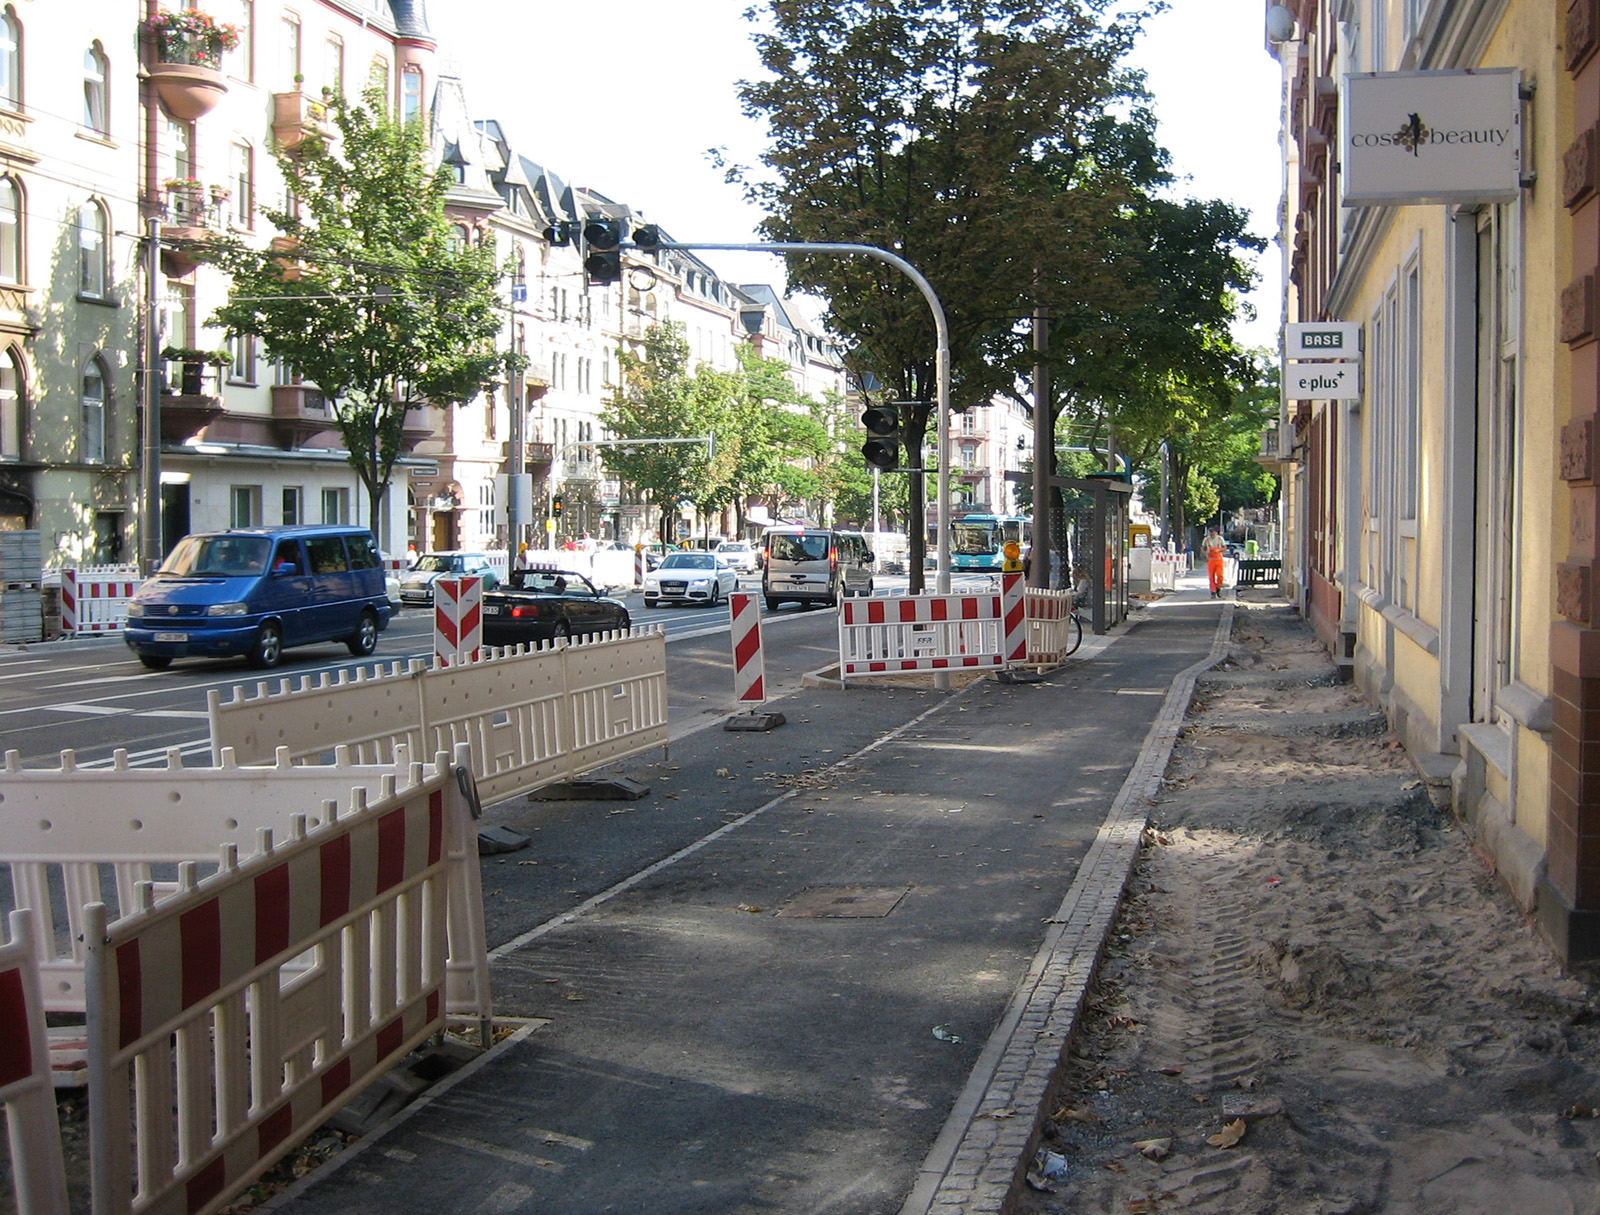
(194, 362)
(188, 59)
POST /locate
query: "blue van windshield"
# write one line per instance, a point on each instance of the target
(218, 557)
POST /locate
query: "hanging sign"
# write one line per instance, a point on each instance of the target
(1321, 381)
(1431, 137)
(1322, 340)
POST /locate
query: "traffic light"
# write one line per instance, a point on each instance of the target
(647, 239)
(555, 507)
(882, 448)
(561, 233)
(604, 239)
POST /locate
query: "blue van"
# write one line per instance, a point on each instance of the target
(255, 591)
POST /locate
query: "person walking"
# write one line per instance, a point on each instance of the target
(1214, 550)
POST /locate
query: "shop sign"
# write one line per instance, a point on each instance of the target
(1321, 381)
(1322, 340)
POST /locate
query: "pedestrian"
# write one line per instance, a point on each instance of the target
(1082, 588)
(1214, 550)
(522, 555)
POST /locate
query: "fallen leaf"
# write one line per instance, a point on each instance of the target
(1229, 1135)
(1169, 1071)
(750, 907)
(1154, 1149)
(1067, 1114)
(1580, 1111)
(1005, 1113)
(1142, 1206)
(1116, 1166)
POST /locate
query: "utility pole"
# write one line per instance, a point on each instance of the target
(150, 422)
(1044, 449)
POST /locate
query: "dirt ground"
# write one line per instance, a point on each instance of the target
(1318, 1000)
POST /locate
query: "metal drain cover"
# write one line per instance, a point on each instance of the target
(844, 902)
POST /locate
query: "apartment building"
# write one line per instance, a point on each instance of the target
(1440, 201)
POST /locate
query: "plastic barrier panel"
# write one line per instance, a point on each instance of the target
(95, 599)
(920, 633)
(749, 669)
(27, 1093)
(457, 619)
(214, 1048)
(1048, 613)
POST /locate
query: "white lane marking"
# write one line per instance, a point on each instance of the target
(489, 1149)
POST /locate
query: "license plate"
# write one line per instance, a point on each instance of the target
(491, 609)
(171, 637)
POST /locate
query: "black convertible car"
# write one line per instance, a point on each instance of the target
(543, 603)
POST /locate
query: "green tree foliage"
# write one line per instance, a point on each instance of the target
(365, 294)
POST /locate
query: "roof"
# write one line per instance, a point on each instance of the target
(411, 18)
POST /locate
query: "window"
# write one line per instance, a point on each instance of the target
(288, 54)
(96, 91)
(333, 64)
(293, 505)
(242, 356)
(92, 402)
(242, 181)
(240, 62)
(460, 238)
(410, 94)
(326, 554)
(336, 506)
(10, 61)
(179, 304)
(10, 231)
(179, 145)
(378, 78)
(92, 246)
(107, 537)
(244, 506)
(10, 407)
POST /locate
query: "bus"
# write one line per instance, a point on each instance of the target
(976, 540)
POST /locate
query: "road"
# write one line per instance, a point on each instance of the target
(93, 697)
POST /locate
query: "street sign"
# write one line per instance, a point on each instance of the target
(519, 294)
(1321, 381)
(1324, 340)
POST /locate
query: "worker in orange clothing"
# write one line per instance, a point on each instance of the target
(1214, 550)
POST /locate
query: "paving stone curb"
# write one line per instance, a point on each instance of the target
(982, 1154)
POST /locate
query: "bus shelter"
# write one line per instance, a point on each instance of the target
(1089, 527)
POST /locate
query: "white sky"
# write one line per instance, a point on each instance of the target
(631, 114)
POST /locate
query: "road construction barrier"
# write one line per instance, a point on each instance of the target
(1013, 610)
(749, 668)
(457, 619)
(38, 1176)
(917, 633)
(230, 1018)
(1049, 615)
(1164, 571)
(94, 599)
(530, 717)
(73, 836)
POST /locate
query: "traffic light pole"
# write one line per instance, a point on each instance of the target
(941, 363)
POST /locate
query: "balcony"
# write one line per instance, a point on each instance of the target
(187, 72)
(192, 216)
(195, 402)
(300, 412)
(532, 453)
(298, 116)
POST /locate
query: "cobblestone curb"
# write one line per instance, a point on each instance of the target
(983, 1151)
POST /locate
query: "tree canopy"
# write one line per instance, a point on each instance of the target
(367, 293)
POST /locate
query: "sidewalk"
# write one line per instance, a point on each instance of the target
(850, 987)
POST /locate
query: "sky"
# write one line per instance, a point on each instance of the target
(632, 112)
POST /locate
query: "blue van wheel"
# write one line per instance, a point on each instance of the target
(155, 662)
(365, 639)
(268, 649)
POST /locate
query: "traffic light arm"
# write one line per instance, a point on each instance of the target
(941, 358)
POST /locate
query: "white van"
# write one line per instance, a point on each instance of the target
(807, 565)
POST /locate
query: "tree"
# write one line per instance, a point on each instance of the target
(366, 293)
(926, 128)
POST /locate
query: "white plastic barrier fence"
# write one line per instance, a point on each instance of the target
(920, 633)
(749, 668)
(38, 1176)
(457, 619)
(213, 1046)
(1049, 636)
(94, 599)
(530, 717)
(73, 836)
(1164, 571)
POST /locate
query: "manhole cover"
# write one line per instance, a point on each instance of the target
(844, 902)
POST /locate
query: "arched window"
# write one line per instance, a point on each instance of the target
(92, 250)
(10, 407)
(96, 91)
(460, 238)
(10, 60)
(92, 403)
(10, 231)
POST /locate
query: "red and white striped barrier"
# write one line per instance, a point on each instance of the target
(749, 668)
(226, 1049)
(1049, 636)
(920, 633)
(1014, 611)
(640, 565)
(95, 599)
(27, 1091)
(457, 619)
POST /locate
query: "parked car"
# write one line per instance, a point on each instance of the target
(546, 603)
(416, 584)
(256, 591)
(740, 554)
(654, 553)
(690, 578)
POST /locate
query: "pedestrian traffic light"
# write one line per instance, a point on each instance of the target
(882, 448)
(604, 239)
(562, 233)
(555, 507)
